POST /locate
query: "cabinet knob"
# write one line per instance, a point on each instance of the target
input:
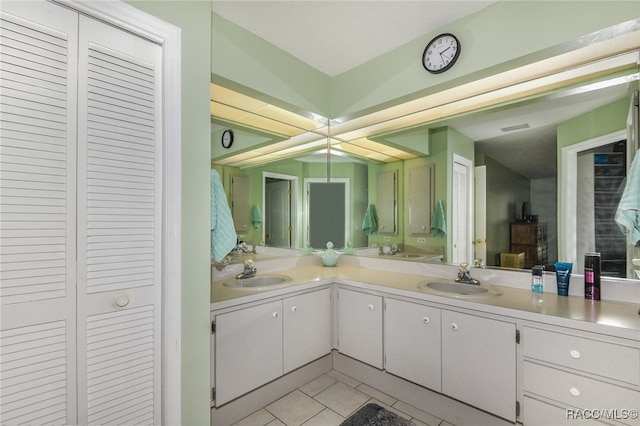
(574, 391)
(574, 354)
(294, 309)
(370, 307)
(454, 326)
(425, 320)
(274, 315)
(122, 301)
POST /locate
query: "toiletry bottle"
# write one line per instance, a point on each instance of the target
(592, 276)
(537, 279)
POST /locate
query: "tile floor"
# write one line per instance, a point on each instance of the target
(328, 401)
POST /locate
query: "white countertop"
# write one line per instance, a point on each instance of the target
(607, 317)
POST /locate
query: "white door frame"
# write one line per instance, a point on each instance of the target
(129, 18)
(468, 238)
(569, 188)
(296, 218)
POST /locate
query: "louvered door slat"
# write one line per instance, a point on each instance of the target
(37, 213)
(115, 341)
(119, 205)
(32, 367)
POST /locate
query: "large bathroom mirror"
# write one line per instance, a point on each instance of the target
(516, 142)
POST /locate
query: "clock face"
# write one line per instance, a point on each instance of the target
(227, 138)
(441, 53)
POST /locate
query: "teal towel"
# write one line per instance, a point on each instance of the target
(256, 216)
(370, 222)
(628, 213)
(439, 221)
(223, 233)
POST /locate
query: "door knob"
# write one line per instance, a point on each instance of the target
(122, 301)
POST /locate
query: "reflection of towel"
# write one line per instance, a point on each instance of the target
(256, 216)
(370, 222)
(223, 234)
(628, 213)
(438, 221)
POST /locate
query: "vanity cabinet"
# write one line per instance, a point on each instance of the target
(412, 350)
(307, 328)
(565, 373)
(360, 326)
(248, 349)
(469, 358)
(255, 345)
(479, 362)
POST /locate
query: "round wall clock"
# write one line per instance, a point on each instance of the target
(227, 139)
(441, 53)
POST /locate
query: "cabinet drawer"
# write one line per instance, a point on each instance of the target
(538, 413)
(578, 391)
(592, 356)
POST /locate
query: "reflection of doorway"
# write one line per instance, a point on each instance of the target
(327, 212)
(461, 218)
(574, 242)
(480, 208)
(278, 210)
(601, 174)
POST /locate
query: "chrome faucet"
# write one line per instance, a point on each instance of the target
(249, 270)
(394, 249)
(464, 275)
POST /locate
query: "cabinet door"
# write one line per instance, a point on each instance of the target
(360, 326)
(479, 362)
(38, 208)
(412, 342)
(387, 195)
(248, 346)
(307, 328)
(421, 199)
(240, 202)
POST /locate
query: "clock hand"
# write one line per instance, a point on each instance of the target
(445, 50)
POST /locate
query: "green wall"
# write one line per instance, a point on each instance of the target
(193, 17)
(244, 61)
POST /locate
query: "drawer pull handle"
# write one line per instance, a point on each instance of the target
(274, 315)
(425, 320)
(294, 309)
(454, 326)
(370, 307)
(574, 391)
(574, 354)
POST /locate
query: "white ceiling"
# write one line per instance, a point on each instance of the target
(336, 36)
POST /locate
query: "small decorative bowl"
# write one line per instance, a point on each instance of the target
(330, 256)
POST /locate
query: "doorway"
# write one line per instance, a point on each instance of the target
(461, 217)
(279, 209)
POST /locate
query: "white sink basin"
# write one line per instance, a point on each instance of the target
(258, 282)
(461, 290)
(409, 255)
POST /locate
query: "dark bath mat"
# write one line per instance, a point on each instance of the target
(375, 415)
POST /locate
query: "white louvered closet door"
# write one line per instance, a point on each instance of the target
(119, 227)
(80, 224)
(38, 65)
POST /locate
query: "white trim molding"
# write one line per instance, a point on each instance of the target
(569, 191)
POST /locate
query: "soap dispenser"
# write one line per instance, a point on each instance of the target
(537, 279)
